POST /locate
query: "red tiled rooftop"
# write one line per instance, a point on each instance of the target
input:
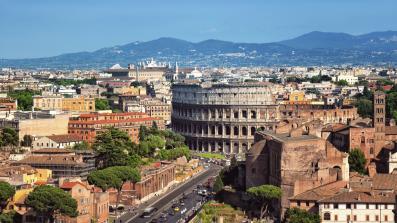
(70, 185)
(110, 114)
(65, 138)
(93, 122)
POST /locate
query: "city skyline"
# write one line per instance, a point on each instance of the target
(45, 28)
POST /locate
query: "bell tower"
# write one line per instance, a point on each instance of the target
(379, 120)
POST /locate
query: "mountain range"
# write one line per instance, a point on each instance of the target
(311, 49)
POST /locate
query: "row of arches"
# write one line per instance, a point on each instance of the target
(218, 130)
(224, 146)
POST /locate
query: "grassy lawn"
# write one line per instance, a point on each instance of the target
(211, 155)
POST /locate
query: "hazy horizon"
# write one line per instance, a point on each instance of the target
(43, 28)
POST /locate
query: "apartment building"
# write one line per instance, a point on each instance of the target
(87, 126)
(58, 102)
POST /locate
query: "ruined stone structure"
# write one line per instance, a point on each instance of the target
(295, 160)
(325, 113)
(222, 117)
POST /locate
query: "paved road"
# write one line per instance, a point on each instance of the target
(192, 202)
(165, 202)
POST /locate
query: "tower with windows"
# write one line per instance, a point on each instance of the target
(379, 120)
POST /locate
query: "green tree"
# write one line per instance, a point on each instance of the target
(102, 104)
(114, 177)
(27, 140)
(9, 137)
(172, 154)
(154, 142)
(24, 98)
(48, 200)
(154, 125)
(342, 83)
(8, 217)
(364, 108)
(391, 105)
(134, 160)
(357, 161)
(81, 146)
(143, 131)
(296, 215)
(218, 184)
(264, 194)
(6, 192)
(112, 147)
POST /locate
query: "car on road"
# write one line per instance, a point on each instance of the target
(183, 211)
(203, 192)
(176, 209)
(163, 217)
(182, 203)
(148, 212)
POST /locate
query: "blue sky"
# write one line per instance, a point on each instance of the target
(38, 28)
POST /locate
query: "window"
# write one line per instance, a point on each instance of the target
(336, 217)
(244, 114)
(386, 218)
(376, 206)
(336, 206)
(376, 217)
(236, 131)
(354, 217)
(235, 114)
(348, 218)
(367, 217)
(348, 206)
(307, 203)
(299, 203)
(367, 206)
(385, 206)
(327, 216)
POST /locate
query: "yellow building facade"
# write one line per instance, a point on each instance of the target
(43, 175)
(80, 104)
(47, 102)
(55, 102)
(297, 96)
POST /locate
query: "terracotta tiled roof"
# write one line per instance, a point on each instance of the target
(91, 115)
(334, 127)
(361, 197)
(70, 185)
(19, 170)
(384, 182)
(321, 192)
(40, 183)
(93, 122)
(387, 87)
(51, 151)
(52, 160)
(65, 138)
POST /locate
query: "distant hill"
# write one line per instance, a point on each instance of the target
(323, 40)
(314, 48)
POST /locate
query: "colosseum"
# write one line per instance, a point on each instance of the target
(222, 117)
